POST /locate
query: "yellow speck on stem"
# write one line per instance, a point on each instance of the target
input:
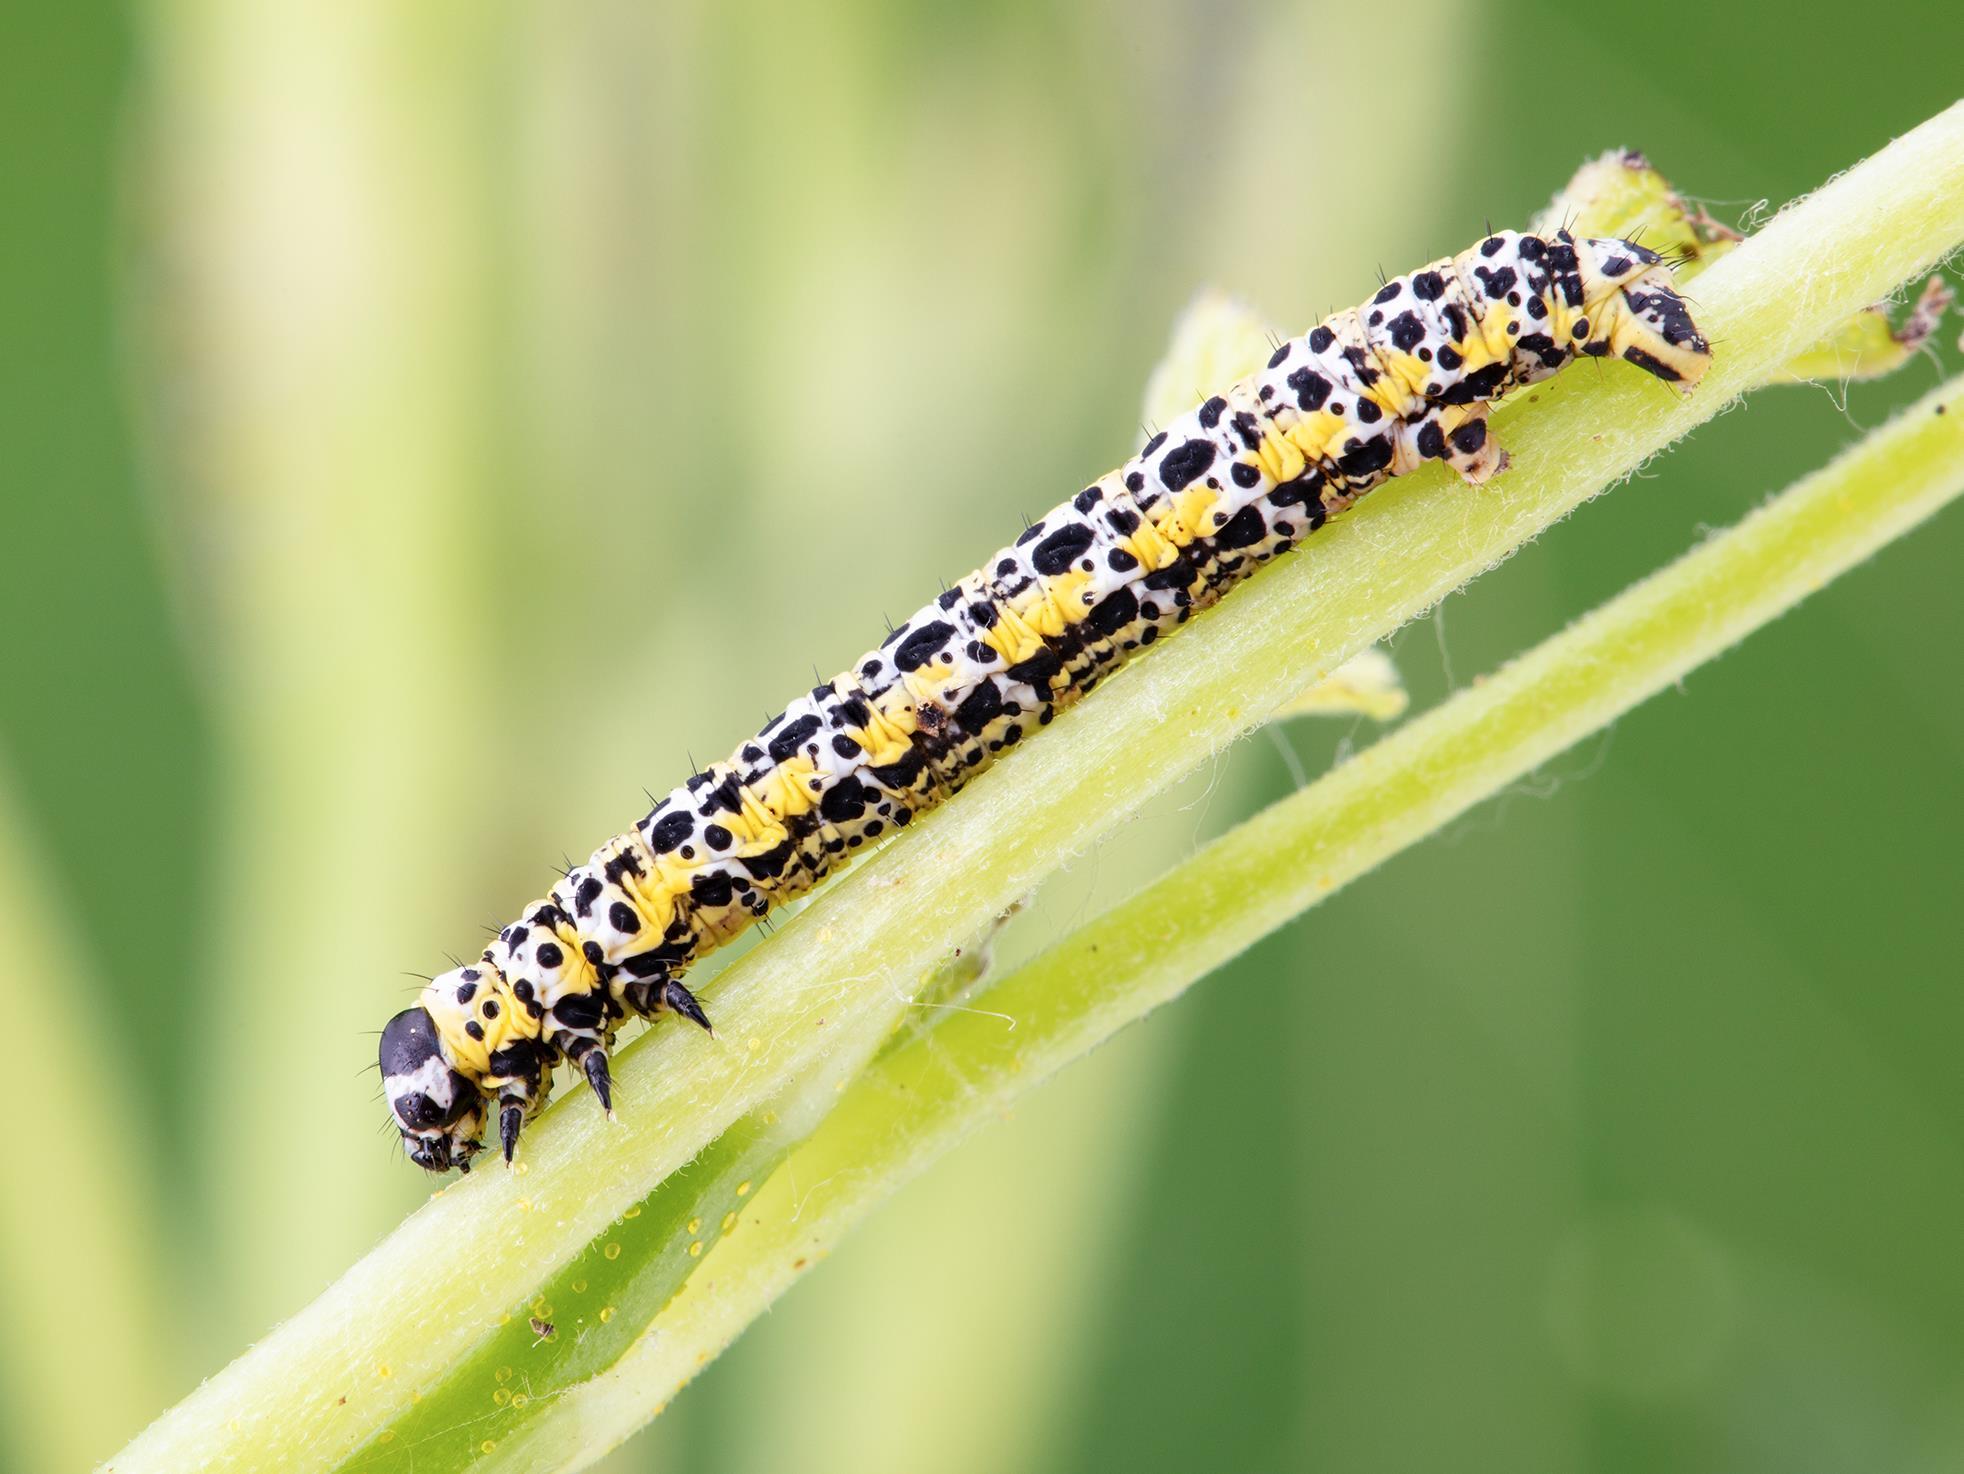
(612, 1251)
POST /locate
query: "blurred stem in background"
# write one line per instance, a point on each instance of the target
(76, 1202)
(322, 213)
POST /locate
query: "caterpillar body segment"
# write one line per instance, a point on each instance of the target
(1369, 394)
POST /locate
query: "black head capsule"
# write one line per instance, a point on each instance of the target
(439, 1113)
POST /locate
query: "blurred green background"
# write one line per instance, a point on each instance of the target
(425, 424)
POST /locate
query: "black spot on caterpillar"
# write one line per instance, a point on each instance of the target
(1367, 395)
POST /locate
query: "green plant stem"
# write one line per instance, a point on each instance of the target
(916, 1103)
(352, 1361)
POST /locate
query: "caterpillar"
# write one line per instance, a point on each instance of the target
(1369, 394)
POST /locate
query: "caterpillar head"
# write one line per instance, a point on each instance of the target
(439, 1113)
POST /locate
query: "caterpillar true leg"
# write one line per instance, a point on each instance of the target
(511, 1117)
(666, 996)
(1371, 393)
(579, 1028)
(594, 1067)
